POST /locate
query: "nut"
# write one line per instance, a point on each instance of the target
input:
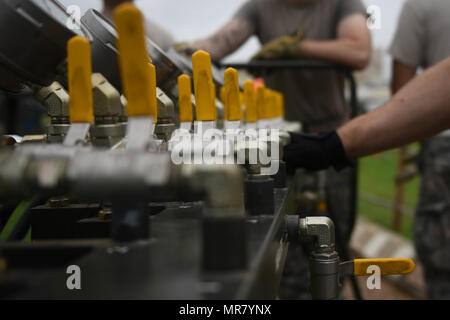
(55, 99)
(107, 101)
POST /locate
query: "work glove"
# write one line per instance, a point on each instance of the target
(316, 152)
(185, 48)
(281, 48)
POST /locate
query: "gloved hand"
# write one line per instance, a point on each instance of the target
(185, 48)
(283, 47)
(316, 152)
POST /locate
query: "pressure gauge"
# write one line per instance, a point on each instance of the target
(33, 41)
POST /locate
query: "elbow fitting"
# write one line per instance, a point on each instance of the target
(321, 229)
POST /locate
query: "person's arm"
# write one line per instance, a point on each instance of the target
(419, 110)
(401, 75)
(229, 38)
(352, 46)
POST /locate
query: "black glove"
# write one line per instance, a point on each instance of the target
(316, 152)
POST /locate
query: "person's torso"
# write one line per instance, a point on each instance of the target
(436, 40)
(313, 97)
(277, 18)
(437, 30)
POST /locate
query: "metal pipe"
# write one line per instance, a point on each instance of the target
(324, 260)
(321, 229)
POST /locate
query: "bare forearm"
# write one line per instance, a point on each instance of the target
(227, 39)
(344, 51)
(419, 110)
(401, 75)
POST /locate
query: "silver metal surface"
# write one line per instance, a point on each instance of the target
(322, 229)
(77, 133)
(224, 185)
(140, 132)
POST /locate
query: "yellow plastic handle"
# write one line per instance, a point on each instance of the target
(133, 58)
(232, 95)
(271, 104)
(213, 98)
(81, 105)
(201, 64)
(387, 266)
(223, 98)
(251, 112)
(262, 103)
(280, 105)
(151, 69)
(184, 98)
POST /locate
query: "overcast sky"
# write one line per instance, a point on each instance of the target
(192, 19)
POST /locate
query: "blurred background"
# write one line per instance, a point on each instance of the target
(387, 190)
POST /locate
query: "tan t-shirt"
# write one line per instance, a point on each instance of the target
(315, 98)
(159, 35)
(422, 38)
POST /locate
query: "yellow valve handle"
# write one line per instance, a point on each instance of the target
(151, 69)
(184, 98)
(133, 61)
(232, 95)
(271, 105)
(81, 104)
(277, 105)
(201, 64)
(224, 102)
(213, 97)
(262, 103)
(387, 266)
(280, 105)
(241, 98)
(251, 111)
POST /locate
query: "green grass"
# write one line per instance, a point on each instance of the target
(377, 177)
(13, 220)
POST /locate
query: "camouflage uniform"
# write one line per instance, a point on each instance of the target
(432, 221)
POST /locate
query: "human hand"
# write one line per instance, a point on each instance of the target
(283, 47)
(316, 152)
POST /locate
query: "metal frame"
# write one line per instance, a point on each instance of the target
(167, 266)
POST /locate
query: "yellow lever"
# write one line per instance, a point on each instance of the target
(251, 112)
(224, 102)
(387, 266)
(81, 105)
(151, 69)
(234, 112)
(261, 102)
(201, 64)
(184, 98)
(271, 105)
(133, 57)
(213, 97)
(280, 105)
